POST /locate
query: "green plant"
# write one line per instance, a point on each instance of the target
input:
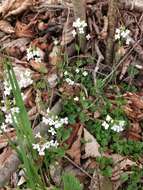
(25, 136)
(70, 182)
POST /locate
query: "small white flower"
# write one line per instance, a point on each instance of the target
(77, 70)
(128, 40)
(38, 135)
(74, 33)
(36, 147)
(41, 153)
(15, 110)
(81, 31)
(85, 73)
(56, 42)
(48, 110)
(105, 125)
(108, 118)
(88, 37)
(65, 73)
(8, 119)
(3, 127)
(4, 109)
(76, 99)
(52, 131)
(117, 128)
(69, 81)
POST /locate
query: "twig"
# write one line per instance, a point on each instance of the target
(100, 58)
(81, 169)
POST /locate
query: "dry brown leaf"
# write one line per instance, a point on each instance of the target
(6, 27)
(74, 152)
(14, 7)
(91, 145)
(19, 43)
(99, 182)
(37, 66)
(54, 56)
(67, 35)
(134, 132)
(22, 30)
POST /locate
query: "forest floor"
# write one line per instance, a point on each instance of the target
(69, 120)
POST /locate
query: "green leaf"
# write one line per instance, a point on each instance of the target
(71, 183)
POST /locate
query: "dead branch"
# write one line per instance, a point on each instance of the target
(112, 18)
(100, 58)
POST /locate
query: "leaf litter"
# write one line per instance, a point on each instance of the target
(47, 26)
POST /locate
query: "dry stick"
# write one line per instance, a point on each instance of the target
(100, 58)
(112, 19)
(79, 8)
(77, 166)
(13, 162)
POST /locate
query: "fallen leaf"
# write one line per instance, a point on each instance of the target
(67, 36)
(14, 7)
(91, 146)
(134, 132)
(6, 27)
(74, 152)
(55, 56)
(73, 134)
(22, 30)
(99, 182)
(38, 66)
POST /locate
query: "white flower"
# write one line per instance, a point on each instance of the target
(3, 127)
(52, 131)
(74, 33)
(54, 143)
(85, 73)
(81, 31)
(41, 153)
(88, 37)
(4, 109)
(117, 36)
(36, 146)
(7, 88)
(65, 73)
(34, 53)
(69, 81)
(117, 128)
(105, 125)
(48, 110)
(108, 118)
(77, 70)
(8, 119)
(56, 42)
(128, 40)
(38, 135)
(76, 99)
(15, 110)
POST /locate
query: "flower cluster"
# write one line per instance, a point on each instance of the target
(79, 25)
(43, 146)
(24, 80)
(34, 53)
(77, 71)
(123, 34)
(13, 112)
(54, 124)
(116, 125)
(69, 81)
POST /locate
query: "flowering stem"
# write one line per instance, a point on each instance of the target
(80, 12)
